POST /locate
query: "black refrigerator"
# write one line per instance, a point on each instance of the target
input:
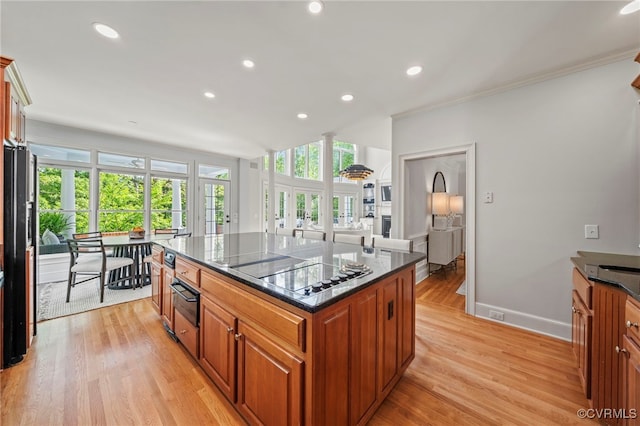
(20, 252)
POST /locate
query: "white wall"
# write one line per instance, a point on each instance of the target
(558, 154)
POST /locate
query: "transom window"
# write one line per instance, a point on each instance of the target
(344, 155)
(307, 161)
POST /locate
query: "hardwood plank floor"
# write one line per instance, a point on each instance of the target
(117, 366)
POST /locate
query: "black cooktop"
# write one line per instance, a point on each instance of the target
(302, 276)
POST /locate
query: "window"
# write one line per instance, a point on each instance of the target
(344, 155)
(213, 172)
(307, 208)
(121, 202)
(343, 209)
(168, 203)
(63, 200)
(59, 153)
(307, 161)
(118, 160)
(169, 166)
(282, 165)
(265, 163)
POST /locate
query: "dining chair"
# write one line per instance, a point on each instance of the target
(95, 267)
(290, 232)
(392, 244)
(348, 238)
(314, 235)
(85, 235)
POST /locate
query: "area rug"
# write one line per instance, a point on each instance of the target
(84, 297)
(462, 289)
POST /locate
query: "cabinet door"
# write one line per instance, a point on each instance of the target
(389, 322)
(218, 346)
(156, 280)
(364, 360)
(167, 297)
(631, 381)
(270, 380)
(581, 323)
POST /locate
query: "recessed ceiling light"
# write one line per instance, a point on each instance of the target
(415, 70)
(248, 63)
(633, 6)
(302, 116)
(209, 95)
(105, 30)
(347, 97)
(315, 7)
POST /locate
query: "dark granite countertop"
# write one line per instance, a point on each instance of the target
(246, 257)
(590, 264)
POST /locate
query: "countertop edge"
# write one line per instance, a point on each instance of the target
(582, 261)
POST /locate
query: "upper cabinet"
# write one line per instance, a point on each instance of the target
(14, 98)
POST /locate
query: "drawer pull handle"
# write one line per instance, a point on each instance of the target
(630, 324)
(238, 336)
(183, 272)
(574, 310)
(229, 329)
(622, 350)
(183, 331)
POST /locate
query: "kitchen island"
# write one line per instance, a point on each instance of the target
(294, 331)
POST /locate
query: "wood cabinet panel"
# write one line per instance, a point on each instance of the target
(187, 333)
(581, 323)
(364, 371)
(408, 310)
(283, 324)
(157, 254)
(632, 319)
(265, 368)
(631, 381)
(156, 284)
(583, 287)
(218, 346)
(389, 335)
(188, 271)
(608, 327)
(167, 297)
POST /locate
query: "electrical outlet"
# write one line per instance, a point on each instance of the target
(591, 231)
(496, 315)
(488, 197)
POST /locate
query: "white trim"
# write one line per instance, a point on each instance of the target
(470, 233)
(534, 323)
(536, 78)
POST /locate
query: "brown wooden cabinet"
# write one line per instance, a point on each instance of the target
(218, 346)
(187, 333)
(156, 286)
(282, 365)
(581, 326)
(167, 297)
(630, 355)
(270, 379)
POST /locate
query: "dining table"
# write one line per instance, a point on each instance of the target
(136, 248)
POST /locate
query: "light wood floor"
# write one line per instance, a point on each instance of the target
(117, 366)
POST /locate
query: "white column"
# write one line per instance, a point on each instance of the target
(327, 178)
(271, 209)
(68, 198)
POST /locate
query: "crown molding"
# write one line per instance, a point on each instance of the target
(15, 78)
(536, 78)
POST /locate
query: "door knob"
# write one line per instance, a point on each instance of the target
(238, 336)
(630, 324)
(620, 350)
(229, 329)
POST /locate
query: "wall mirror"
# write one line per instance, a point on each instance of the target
(439, 185)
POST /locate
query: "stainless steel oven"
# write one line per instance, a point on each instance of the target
(186, 300)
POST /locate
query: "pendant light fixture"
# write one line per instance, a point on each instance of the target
(356, 172)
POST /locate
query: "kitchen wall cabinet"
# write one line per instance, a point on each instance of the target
(15, 99)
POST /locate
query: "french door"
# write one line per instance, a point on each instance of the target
(307, 208)
(213, 208)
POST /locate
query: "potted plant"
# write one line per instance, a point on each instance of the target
(55, 222)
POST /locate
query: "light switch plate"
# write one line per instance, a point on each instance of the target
(488, 197)
(591, 231)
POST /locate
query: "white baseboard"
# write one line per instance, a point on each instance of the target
(557, 329)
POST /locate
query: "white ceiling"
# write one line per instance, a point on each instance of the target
(169, 53)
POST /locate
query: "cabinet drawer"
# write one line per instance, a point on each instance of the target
(186, 270)
(632, 319)
(583, 287)
(187, 333)
(157, 253)
(287, 326)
